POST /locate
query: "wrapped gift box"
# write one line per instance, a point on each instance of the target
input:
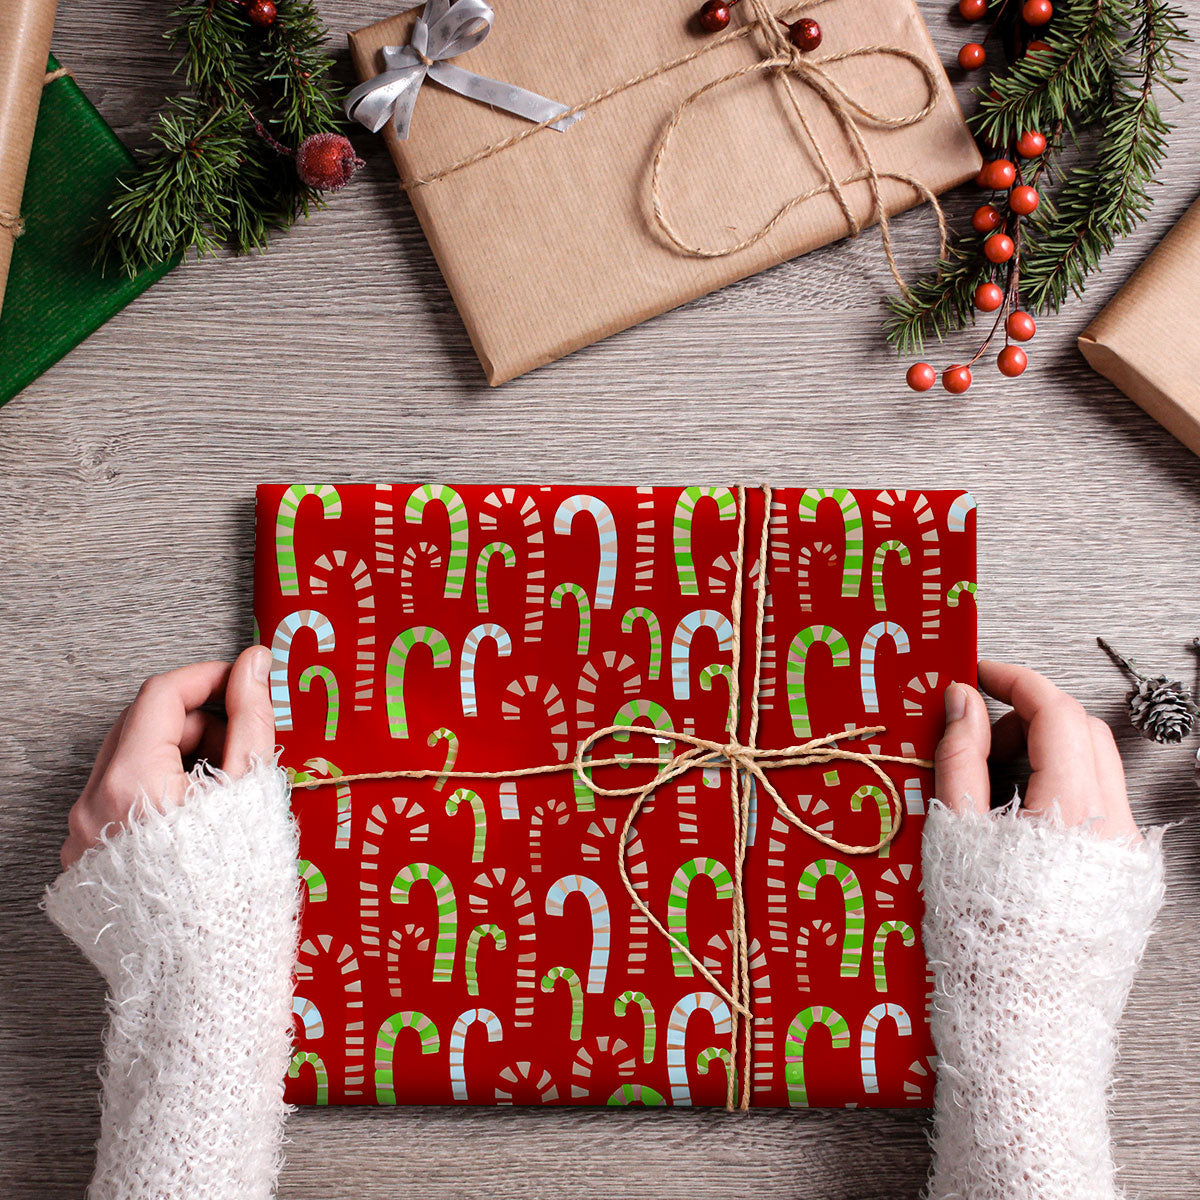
(550, 244)
(470, 940)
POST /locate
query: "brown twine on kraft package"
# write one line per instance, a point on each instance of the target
(747, 763)
(785, 63)
(13, 223)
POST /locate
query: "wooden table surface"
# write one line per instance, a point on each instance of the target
(126, 548)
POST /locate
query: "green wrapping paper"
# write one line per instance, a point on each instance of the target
(56, 295)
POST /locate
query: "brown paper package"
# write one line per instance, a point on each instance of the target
(25, 29)
(549, 245)
(1156, 309)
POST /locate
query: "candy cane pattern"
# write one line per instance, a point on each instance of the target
(451, 739)
(499, 940)
(685, 516)
(919, 1081)
(711, 1054)
(535, 552)
(551, 704)
(519, 1078)
(470, 653)
(954, 595)
(332, 700)
(956, 518)
(397, 661)
(878, 949)
(720, 575)
(456, 511)
(808, 558)
(408, 572)
(285, 529)
(412, 813)
(890, 884)
(866, 666)
(914, 797)
(637, 1094)
(557, 597)
(345, 964)
(597, 845)
(852, 562)
(310, 1017)
(621, 1004)
(870, 792)
(877, 565)
(458, 1045)
(653, 629)
(810, 935)
(852, 902)
(589, 1055)
(316, 888)
(507, 557)
(473, 801)
(385, 530)
(548, 812)
(397, 940)
(593, 893)
(589, 683)
(676, 1038)
(677, 903)
(484, 888)
(643, 564)
(606, 526)
(802, 643)
(385, 1049)
(575, 991)
(681, 645)
(360, 579)
(931, 571)
(447, 912)
(819, 816)
(797, 1037)
(322, 768)
(870, 1034)
(308, 1058)
(924, 692)
(654, 712)
(281, 651)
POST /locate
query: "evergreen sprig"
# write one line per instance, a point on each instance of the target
(213, 179)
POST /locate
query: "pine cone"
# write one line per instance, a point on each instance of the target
(1163, 710)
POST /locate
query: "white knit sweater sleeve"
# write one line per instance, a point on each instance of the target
(1034, 932)
(190, 916)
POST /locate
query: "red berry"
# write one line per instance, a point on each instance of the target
(1012, 360)
(326, 161)
(988, 297)
(1023, 200)
(1031, 144)
(1037, 46)
(956, 379)
(972, 56)
(261, 13)
(713, 16)
(998, 175)
(1037, 12)
(972, 10)
(1020, 326)
(921, 377)
(986, 218)
(804, 34)
(998, 248)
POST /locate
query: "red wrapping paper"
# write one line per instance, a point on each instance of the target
(470, 941)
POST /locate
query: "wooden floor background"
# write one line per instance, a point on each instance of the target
(125, 547)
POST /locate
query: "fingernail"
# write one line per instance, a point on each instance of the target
(262, 664)
(956, 702)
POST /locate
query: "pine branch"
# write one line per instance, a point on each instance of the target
(940, 301)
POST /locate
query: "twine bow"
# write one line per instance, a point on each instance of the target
(444, 30)
(747, 763)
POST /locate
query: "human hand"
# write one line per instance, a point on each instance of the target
(144, 751)
(1072, 757)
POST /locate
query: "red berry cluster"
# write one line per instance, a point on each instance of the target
(715, 15)
(973, 54)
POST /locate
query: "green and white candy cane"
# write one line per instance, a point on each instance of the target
(281, 652)
(682, 527)
(797, 1037)
(575, 989)
(637, 1094)
(309, 1058)
(866, 667)
(597, 902)
(489, 631)
(606, 527)
(584, 608)
(448, 736)
(712, 1054)
(397, 662)
(852, 523)
(507, 556)
(475, 803)
(456, 512)
(954, 595)
(447, 912)
(621, 1004)
(677, 903)
(877, 564)
(879, 948)
(316, 888)
(870, 1034)
(332, 695)
(458, 1045)
(852, 904)
(653, 629)
(870, 792)
(676, 1039)
(681, 645)
(285, 529)
(471, 964)
(322, 768)
(797, 660)
(385, 1049)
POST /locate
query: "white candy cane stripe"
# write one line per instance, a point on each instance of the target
(398, 939)
(319, 580)
(924, 692)
(606, 526)
(341, 962)
(870, 646)
(681, 645)
(552, 705)
(626, 671)
(470, 653)
(458, 1045)
(956, 518)
(509, 808)
(281, 650)
(530, 519)
(815, 932)
(423, 556)
(613, 1051)
(891, 882)
(809, 557)
(456, 513)
(416, 831)
(518, 1080)
(676, 1039)
(597, 902)
(914, 797)
(385, 530)
(487, 891)
(645, 556)
(870, 1034)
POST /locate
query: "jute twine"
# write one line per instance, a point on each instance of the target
(12, 223)
(785, 63)
(747, 764)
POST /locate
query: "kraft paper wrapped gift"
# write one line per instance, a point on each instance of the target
(551, 243)
(469, 940)
(1145, 339)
